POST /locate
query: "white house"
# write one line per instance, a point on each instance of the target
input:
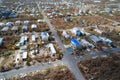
(9, 24)
(21, 56)
(25, 28)
(45, 36)
(23, 47)
(33, 26)
(99, 31)
(105, 40)
(86, 43)
(40, 21)
(52, 49)
(18, 22)
(23, 40)
(26, 22)
(14, 28)
(2, 24)
(77, 31)
(95, 39)
(34, 37)
(65, 34)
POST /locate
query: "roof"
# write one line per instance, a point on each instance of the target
(105, 40)
(14, 28)
(52, 48)
(44, 34)
(24, 27)
(2, 24)
(23, 47)
(84, 41)
(24, 56)
(40, 20)
(33, 26)
(9, 24)
(64, 33)
(33, 37)
(95, 38)
(75, 42)
(26, 22)
(1, 40)
(5, 29)
(23, 38)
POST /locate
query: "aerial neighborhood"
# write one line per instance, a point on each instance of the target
(59, 39)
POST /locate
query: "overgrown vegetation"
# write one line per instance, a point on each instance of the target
(58, 73)
(105, 68)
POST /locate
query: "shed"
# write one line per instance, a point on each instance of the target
(45, 36)
(76, 44)
(1, 41)
(95, 39)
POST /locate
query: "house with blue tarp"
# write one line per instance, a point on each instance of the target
(76, 44)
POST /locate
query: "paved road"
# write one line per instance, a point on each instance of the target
(100, 53)
(67, 59)
(30, 69)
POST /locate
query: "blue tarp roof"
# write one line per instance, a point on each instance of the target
(75, 41)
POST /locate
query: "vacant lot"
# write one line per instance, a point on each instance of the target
(105, 68)
(77, 22)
